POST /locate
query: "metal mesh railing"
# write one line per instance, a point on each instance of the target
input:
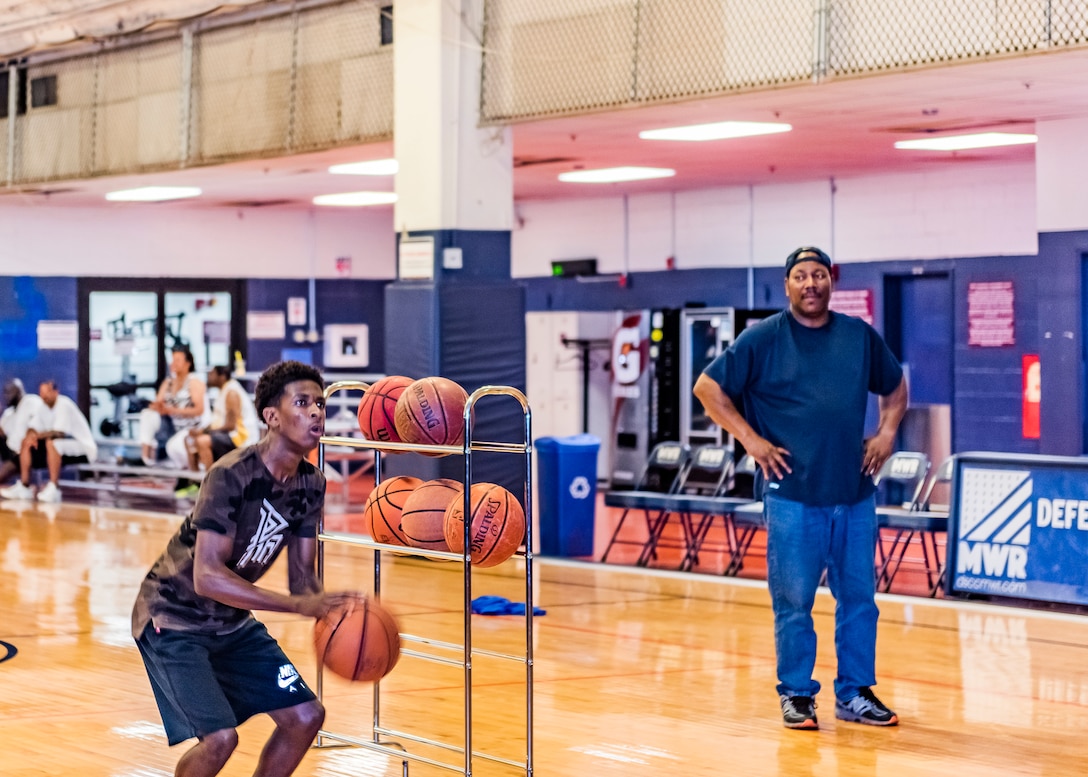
(572, 56)
(258, 85)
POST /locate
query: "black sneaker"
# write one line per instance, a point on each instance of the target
(865, 708)
(799, 712)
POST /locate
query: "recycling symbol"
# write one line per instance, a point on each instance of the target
(579, 487)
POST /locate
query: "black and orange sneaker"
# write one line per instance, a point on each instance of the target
(799, 712)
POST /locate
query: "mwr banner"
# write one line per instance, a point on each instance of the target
(1021, 531)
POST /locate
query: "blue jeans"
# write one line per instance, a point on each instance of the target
(801, 542)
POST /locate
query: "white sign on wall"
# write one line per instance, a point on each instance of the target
(415, 259)
(58, 335)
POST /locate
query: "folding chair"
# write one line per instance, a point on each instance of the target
(706, 476)
(659, 477)
(920, 522)
(902, 478)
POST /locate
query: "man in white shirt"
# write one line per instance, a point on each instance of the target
(57, 434)
(19, 407)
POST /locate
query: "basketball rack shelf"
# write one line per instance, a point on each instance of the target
(383, 738)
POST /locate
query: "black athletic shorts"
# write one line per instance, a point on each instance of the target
(222, 444)
(39, 459)
(207, 682)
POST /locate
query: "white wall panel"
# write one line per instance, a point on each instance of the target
(788, 216)
(650, 232)
(547, 230)
(148, 241)
(1061, 157)
(713, 228)
(976, 210)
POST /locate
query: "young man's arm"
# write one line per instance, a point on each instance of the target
(212, 578)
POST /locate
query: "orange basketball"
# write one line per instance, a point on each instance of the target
(363, 646)
(377, 409)
(381, 515)
(423, 519)
(431, 412)
(497, 527)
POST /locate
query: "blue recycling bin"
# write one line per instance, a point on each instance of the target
(567, 493)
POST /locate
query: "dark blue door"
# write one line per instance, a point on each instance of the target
(926, 337)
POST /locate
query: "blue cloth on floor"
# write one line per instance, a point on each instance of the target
(500, 605)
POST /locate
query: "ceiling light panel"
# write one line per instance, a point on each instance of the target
(616, 174)
(721, 130)
(961, 142)
(373, 167)
(153, 194)
(356, 199)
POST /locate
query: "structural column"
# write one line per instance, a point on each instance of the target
(453, 310)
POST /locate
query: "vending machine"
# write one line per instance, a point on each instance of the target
(704, 334)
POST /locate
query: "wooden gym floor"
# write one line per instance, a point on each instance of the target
(637, 671)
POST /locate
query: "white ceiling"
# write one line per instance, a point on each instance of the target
(841, 129)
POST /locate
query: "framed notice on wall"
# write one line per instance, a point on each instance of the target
(415, 259)
(991, 316)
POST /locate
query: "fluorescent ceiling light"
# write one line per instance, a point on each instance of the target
(960, 142)
(716, 131)
(356, 199)
(373, 167)
(153, 194)
(615, 174)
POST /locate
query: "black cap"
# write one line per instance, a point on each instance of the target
(807, 254)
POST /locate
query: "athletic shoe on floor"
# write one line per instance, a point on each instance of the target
(865, 708)
(49, 493)
(18, 491)
(187, 492)
(799, 712)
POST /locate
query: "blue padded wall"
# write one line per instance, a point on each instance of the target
(26, 301)
(338, 301)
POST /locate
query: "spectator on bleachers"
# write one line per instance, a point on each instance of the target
(234, 422)
(18, 408)
(178, 407)
(57, 435)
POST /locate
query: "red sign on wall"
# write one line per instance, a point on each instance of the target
(1032, 393)
(854, 302)
(990, 315)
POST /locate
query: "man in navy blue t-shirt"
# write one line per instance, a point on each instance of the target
(793, 390)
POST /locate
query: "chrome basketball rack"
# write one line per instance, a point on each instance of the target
(383, 738)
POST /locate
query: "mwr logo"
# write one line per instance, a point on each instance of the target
(995, 523)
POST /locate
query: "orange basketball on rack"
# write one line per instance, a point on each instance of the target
(497, 526)
(381, 515)
(423, 519)
(431, 412)
(363, 646)
(377, 408)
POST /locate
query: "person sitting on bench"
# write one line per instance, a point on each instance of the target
(58, 434)
(234, 422)
(18, 409)
(178, 407)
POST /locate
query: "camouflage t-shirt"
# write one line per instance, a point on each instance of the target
(240, 499)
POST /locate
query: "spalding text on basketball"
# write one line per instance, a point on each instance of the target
(486, 526)
(425, 406)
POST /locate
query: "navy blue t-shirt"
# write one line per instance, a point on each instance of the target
(806, 390)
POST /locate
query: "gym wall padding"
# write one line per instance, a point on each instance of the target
(472, 332)
(24, 301)
(337, 301)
